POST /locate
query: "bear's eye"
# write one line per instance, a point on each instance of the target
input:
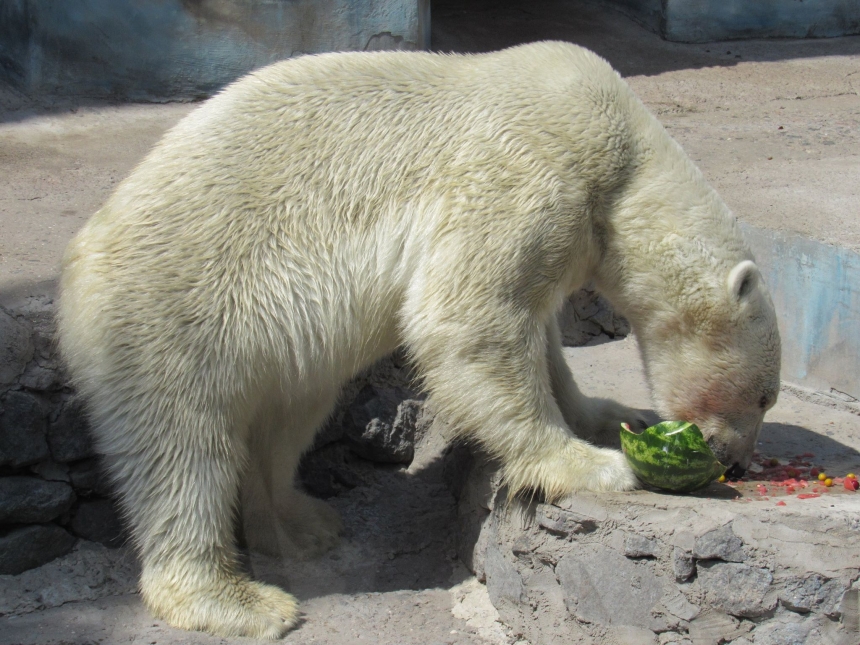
(763, 401)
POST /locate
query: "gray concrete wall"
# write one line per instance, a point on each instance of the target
(151, 49)
(816, 291)
(697, 21)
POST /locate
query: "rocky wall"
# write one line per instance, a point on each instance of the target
(53, 493)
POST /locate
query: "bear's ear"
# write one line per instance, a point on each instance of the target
(743, 279)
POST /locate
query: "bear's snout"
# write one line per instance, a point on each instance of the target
(735, 454)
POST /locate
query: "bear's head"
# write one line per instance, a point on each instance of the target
(715, 361)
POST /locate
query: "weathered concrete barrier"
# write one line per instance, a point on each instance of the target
(816, 292)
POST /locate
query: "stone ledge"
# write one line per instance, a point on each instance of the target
(646, 567)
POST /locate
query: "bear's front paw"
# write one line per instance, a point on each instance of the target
(605, 417)
(577, 466)
(610, 472)
(224, 606)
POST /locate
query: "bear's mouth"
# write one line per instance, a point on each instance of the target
(736, 471)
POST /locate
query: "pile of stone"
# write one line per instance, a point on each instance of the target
(52, 491)
(51, 488)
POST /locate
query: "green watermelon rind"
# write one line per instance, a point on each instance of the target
(672, 455)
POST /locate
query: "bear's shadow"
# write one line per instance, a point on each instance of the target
(400, 533)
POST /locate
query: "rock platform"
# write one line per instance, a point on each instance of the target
(647, 567)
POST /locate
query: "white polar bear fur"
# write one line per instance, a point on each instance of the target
(324, 210)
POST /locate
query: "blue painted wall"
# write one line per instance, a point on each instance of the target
(816, 291)
(150, 49)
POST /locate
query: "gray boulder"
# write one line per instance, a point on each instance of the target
(26, 500)
(24, 548)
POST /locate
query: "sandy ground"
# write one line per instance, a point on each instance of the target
(774, 126)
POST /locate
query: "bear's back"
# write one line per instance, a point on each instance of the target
(310, 161)
(335, 140)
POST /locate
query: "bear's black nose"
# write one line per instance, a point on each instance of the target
(735, 472)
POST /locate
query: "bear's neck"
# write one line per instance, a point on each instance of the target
(667, 240)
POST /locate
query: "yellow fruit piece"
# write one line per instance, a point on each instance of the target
(828, 482)
(722, 479)
(851, 476)
(821, 477)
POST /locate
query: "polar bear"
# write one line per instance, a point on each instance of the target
(322, 211)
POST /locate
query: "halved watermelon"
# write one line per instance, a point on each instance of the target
(672, 455)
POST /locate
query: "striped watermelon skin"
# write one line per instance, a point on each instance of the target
(672, 455)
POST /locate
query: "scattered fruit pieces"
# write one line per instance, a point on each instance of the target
(808, 495)
(851, 483)
(851, 476)
(828, 482)
(821, 477)
(780, 503)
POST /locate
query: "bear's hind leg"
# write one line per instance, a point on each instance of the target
(278, 519)
(178, 476)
